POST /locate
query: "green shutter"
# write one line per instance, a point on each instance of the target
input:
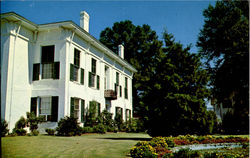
(56, 70)
(82, 76)
(99, 109)
(71, 72)
(89, 79)
(36, 71)
(82, 110)
(98, 82)
(72, 108)
(120, 91)
(33, 105)
(54, 109)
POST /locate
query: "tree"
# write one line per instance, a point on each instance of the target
(224, 44)
(175, 102)
(141, 50)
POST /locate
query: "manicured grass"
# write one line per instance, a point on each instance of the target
(111, 145)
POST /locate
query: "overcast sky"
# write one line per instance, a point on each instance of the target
(183, 19)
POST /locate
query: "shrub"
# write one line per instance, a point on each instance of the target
(186, 153)
(19, 132)
(131, 126)
(33, 121)
(158, 142)
(21, 123)
(119, 122)
(35, 132)
(68, 126)
(143, 149)
(87, 130)
(170, 142)
(50, 132)
(4, 129)
(100, 128)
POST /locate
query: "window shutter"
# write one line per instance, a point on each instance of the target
(82, 110)
(98, 82)
(71, 72)
(36, 71)
(82, 76)
(99, 109)
(33, 105)
(56, 72)
(89, 79)
(120, 91)
(54, 109)
(72, 108)
(122, 113)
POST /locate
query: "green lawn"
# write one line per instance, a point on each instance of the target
(111, 145)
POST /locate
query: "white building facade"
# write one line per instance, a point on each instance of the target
(59, 69)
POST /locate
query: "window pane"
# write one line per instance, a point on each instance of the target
(47, 70)
(46, 106)
(75, 73)
(93, 64)
(48, 54)
(117, 78)
(77, 58)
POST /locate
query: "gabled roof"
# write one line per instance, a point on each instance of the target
(12, 16)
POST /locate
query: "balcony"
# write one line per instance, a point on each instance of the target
(110, 94)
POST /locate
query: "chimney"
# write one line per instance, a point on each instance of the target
(121, 51)
(84, 20)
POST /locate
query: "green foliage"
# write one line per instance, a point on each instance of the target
(224, 45)
(50, 131)
(4, 129)
(100, 128)
(21, 123)
(179, 100)
(143, 149)
(186, 153)
(91, 117)
(119, 122)
(35, 132)
(87, 130)
(158, 142)
(19, 132)
(33, 121)
(68, 126)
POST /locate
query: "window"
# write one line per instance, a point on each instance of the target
(47, 61)
(77, 108)
(91, 79)
(126, 88)
(120, 91)
(77, 58)
(128, 114)
(75, 68)
(48, 107)
(117, 78)
(94, 109)
(50, 69)
(118, 112)
(92, 76)
(93, 66)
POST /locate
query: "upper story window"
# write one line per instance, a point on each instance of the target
(47, 61)
(75, 70)
(117, 87)
(50, 69)
(93, 77)
(126, 88)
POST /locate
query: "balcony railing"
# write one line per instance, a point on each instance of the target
(110, 94)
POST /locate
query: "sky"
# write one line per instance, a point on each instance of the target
(183, 19)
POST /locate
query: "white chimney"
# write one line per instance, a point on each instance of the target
(84, 20)
(121, 51)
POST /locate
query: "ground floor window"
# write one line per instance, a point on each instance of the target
(128, 114)
(77, 109)
(48, 107)
(119, 111)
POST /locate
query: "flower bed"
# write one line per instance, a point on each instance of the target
(162, 146)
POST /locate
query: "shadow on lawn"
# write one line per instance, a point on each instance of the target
(128, 138)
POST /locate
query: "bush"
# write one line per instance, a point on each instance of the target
(131, 126)
(119, 122)
(50, 132)
(87, 130)
(68, 126)
(100, 128)
(158, 142)
(19, 132)
(186, 153)
(4, 129)
(33, 121)
(143, 149)
(35, 132)
(21, 123)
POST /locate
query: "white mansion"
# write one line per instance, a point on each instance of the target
(58, 69)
